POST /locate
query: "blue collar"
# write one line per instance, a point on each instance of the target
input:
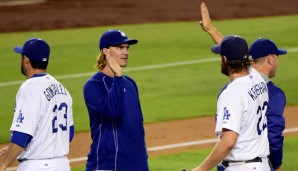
(39, 75)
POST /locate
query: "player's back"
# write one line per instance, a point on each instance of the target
(45, 107)
(242, 106)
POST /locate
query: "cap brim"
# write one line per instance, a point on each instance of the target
(18, 49)
(282, 51)
(132, 41)
(215, 49)
(128, 41)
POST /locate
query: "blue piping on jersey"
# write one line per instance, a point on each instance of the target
(114, 133)
(99, 139)
(225, 87)
(116, 143)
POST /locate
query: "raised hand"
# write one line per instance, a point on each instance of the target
(206, 21)
(207, 25)
(115, 67)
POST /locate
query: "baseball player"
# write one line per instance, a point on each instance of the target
(116, 120)
(42, 126)
(265, 55)
(241, 121)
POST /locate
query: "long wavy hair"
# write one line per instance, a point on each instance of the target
(101, 61)
(235, 66)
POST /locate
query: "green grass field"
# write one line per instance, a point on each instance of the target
(189, 160)
(178, 82)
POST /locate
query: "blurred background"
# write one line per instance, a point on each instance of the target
(29, 15)
(178, 77)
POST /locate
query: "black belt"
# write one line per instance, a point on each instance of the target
(226, 163)
(24, 159)
(21, 160)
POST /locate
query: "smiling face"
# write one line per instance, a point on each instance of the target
(120, 54)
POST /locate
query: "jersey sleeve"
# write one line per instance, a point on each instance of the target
(26, 114)
(219, 112)
(21, 139)
(232, 110)
(276, 124)
(275, 121)
(70, 121)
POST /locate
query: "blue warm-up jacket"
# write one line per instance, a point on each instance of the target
(275, 123)
(116, 123)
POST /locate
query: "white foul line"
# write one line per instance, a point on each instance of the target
(292, 50)
(142, 68)
(185, 144)
(165, 147)
(148, 67)
(289, 130)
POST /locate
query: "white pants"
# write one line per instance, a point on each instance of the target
(56, 164)
(254, 166)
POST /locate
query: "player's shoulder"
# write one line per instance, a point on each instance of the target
(238, 84)
(51, 80)
(129, 78)
(36, 81)
(99, 79)
(242, 84)
(275, 92)
(30, 88)
(31, 83)
(251, 78)
(39, 83)
(274, 88)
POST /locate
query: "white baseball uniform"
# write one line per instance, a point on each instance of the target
(241, 108)
(44, 111)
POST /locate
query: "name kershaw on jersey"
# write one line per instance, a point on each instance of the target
(53, 90)
(257, 89)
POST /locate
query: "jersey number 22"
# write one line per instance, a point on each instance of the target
(262, 125)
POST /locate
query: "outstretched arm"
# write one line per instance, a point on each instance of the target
(220, 151)
(11, 154)
(207, 25)
(3, 152)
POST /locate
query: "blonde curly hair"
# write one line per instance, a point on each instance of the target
(101, 61)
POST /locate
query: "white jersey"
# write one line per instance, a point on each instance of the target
(241, 108)
(44, 111)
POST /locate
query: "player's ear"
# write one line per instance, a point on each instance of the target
(104, 50)
(224, 59)
(25, 60)
(270, 59)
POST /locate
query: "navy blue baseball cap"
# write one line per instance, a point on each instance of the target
(114, 38)
(35, 49)
(233, 47)
(263, 47)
